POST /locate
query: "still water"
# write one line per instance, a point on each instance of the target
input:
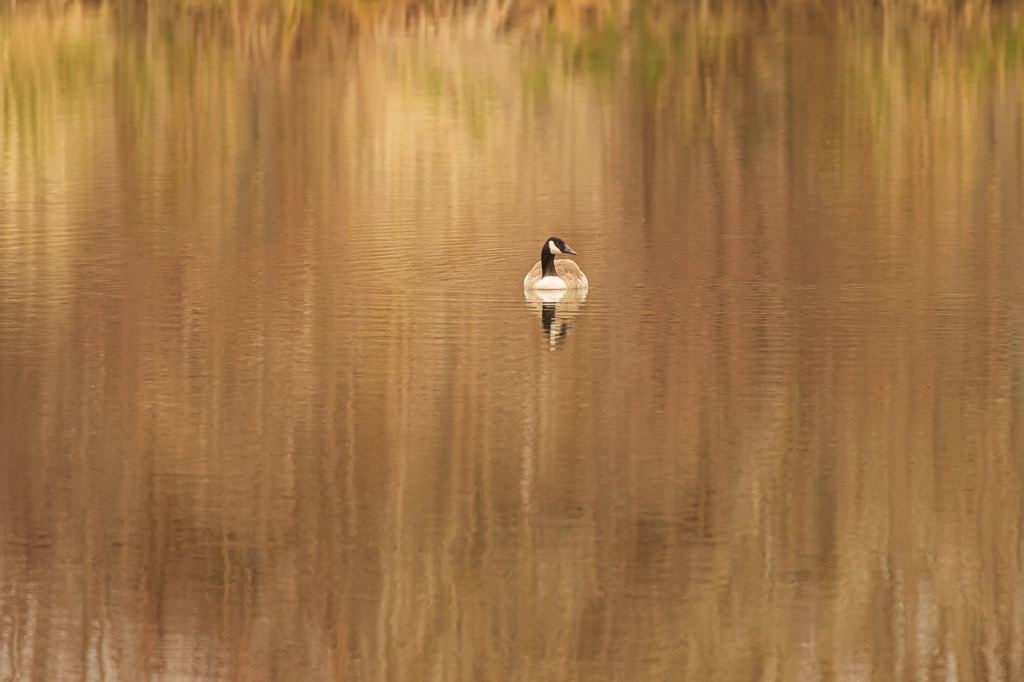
(274, 406)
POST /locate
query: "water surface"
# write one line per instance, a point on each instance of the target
(274, 405)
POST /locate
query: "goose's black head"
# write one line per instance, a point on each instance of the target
(552, 247)
(555, 245)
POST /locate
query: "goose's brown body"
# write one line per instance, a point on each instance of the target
(567, 271)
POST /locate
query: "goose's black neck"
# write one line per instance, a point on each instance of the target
(547, 262)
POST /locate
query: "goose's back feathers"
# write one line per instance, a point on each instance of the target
(568, 272)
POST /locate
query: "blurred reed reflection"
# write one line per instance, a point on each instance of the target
(272, 407)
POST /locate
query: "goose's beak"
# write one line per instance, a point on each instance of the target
(568, 250)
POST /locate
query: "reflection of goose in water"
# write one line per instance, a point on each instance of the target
(552, 274)
(558, 309)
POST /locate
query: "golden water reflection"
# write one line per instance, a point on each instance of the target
(272, 406)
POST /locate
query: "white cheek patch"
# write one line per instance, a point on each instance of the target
(552, 248)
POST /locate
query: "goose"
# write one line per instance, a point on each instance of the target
(552, 274)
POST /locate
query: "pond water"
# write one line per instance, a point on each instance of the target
(274, 405)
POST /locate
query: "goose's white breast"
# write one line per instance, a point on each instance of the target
(550, 282)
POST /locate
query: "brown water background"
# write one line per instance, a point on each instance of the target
(273, 405)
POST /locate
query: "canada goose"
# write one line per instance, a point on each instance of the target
(552, 274)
